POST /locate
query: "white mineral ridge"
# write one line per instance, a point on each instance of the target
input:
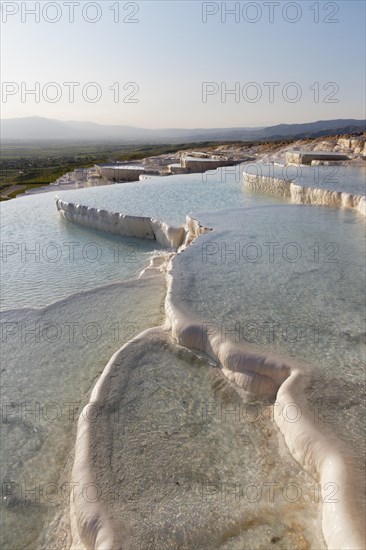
(122, 224)
(299, 194)
(254, 370)
(323, 456)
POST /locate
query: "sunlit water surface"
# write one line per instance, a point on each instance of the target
(55, 354)
(290, 279)
(45, 259)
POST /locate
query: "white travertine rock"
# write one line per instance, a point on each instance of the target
(307, 157)
(328, 460)
(355, 145)
(304, 195)
(325, 457)
(344, 143)
(267, 184)
(122, 224)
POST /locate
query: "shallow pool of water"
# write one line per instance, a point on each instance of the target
(190, 462)
(45, 259)
(51, 358)
(290, 279)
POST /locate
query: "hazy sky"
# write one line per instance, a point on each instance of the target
(177, 61)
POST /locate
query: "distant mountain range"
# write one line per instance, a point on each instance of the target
(38, 128)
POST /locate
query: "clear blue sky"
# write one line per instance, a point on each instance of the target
(170, 52)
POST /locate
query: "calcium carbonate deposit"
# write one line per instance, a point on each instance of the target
(215, 400)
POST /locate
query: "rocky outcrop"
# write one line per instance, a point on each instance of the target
(306, 157)
(192, 164)
(299, 194)
(122, 224)
(355, 146)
